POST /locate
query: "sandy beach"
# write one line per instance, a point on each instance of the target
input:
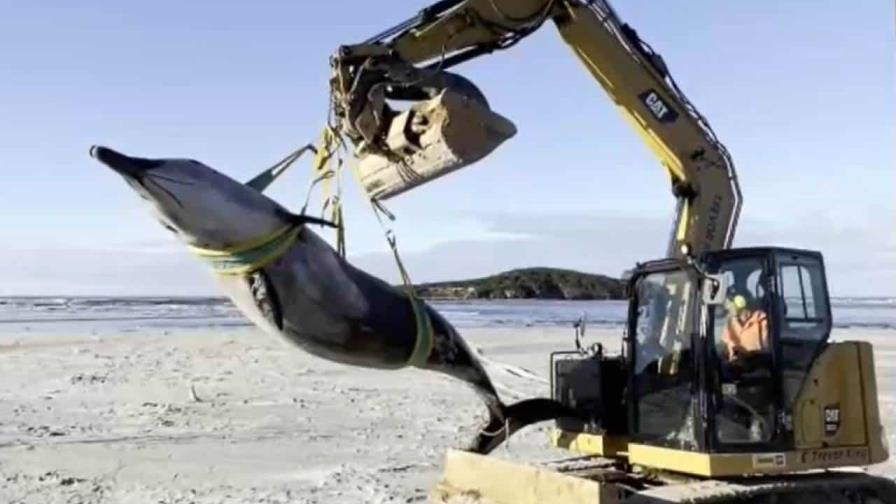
(234, 415)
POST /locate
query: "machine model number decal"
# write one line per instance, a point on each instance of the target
(712, 219)
(661, 110)
(769, 460)
(831, 419)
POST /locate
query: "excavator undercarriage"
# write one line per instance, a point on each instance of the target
(476, 479)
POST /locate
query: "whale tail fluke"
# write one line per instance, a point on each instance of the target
(504, 423)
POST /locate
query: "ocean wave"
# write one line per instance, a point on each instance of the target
(172, 311)
(48, 320)
(75, 301)
(864, 302)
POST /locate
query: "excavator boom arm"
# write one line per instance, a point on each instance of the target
(702, 174)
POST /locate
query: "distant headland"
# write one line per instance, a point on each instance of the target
(527, 283)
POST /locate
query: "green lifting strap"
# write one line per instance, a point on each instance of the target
(423, 345)
(264, 179)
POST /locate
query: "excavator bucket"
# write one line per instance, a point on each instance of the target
(432, 138)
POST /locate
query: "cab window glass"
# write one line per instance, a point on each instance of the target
(798, 286)
(663, 358)
(663, 322)
(804, 326)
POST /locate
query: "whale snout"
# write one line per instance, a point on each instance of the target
(124, 165)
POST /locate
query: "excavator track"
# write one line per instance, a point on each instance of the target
(474, 479)
(829, 487)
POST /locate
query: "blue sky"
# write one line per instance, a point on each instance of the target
(801, 92)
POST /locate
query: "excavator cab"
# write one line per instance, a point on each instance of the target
(726, 369)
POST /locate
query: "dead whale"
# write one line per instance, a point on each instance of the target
(290, 282)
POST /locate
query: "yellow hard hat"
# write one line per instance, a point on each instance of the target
(738, 303)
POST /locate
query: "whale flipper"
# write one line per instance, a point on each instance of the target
(265, 296)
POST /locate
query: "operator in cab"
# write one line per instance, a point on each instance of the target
(744, 346)
(746, 330)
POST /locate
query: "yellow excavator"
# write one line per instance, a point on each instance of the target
(727, 386)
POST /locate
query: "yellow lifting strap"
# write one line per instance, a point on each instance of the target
(328, 164)
(251, 256)
(424, 342)
(324, 172)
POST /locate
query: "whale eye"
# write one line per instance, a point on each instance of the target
(170, 228)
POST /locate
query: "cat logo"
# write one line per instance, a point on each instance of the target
(831, 419)
(661, 110)
(769, 460)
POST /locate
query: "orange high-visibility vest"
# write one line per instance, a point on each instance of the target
(750, 335)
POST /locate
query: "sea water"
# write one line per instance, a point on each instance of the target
(94, 315)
